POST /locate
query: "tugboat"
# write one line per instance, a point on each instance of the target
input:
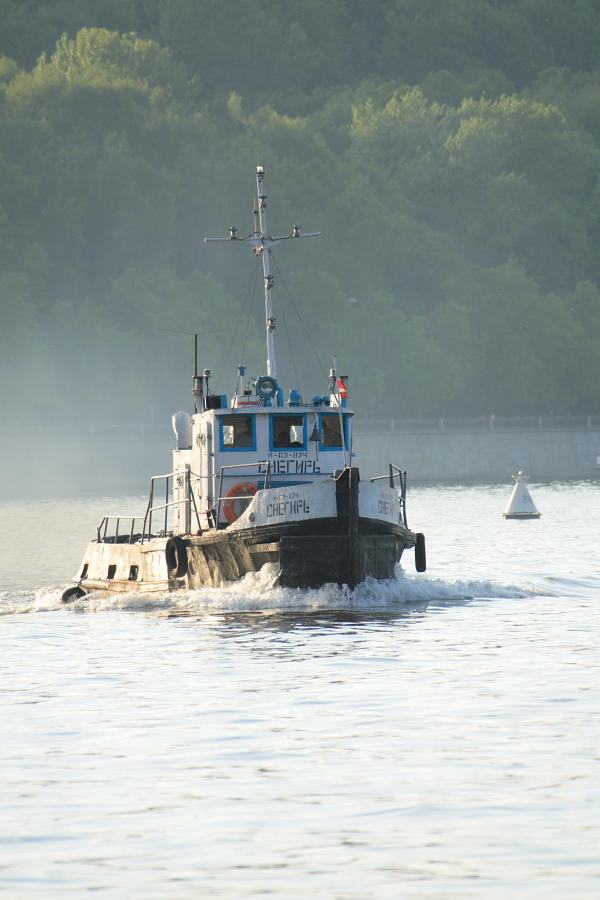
(257, 479)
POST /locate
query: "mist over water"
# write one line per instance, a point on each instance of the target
(432, 736)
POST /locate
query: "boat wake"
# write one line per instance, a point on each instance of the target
(259, 592)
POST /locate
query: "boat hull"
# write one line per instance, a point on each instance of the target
(301, 559)
(342, 547)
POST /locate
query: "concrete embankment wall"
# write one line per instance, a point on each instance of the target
(483, 456)
(81, 467)
(48, 467)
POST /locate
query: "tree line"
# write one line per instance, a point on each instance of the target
(448, 152)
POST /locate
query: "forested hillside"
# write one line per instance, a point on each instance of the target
(448, 151)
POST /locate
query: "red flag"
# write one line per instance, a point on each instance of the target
(342, 388)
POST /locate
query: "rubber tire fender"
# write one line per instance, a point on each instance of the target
(73, 593)
(420, 554)
(176, 556)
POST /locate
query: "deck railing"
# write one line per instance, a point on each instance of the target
(86, 433)
(478, 424)
(109, 529)
(216, 511)
(396, 478)
(124, 528)
(168, 505)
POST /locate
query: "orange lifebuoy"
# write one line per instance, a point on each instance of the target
(245, 488)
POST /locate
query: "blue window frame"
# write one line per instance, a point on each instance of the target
(331, 435)
(287, 431)
(237, 433)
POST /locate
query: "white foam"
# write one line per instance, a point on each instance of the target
(259, 591)
(19, 602)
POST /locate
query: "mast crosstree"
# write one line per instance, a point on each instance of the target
(261, 242)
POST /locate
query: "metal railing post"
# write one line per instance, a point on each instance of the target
(151, 506)
(220, 495)
(166, 504)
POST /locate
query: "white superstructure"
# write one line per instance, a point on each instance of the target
(251, 444)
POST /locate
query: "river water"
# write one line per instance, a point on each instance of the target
(432, 737)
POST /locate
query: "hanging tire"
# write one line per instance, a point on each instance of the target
(176, 555)
(72, 593)
(420, 554)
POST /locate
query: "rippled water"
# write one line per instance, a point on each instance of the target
(431, 737)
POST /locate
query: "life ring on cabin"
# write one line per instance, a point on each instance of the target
(266, 387)
(244, 488)
(176, 556)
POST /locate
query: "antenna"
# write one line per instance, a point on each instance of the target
(197, 383)
(261, 242)
(198, 388)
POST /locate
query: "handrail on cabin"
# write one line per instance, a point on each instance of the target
(215, 511)
(151, 508)
(400, 474)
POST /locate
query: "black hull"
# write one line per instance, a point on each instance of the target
(302, 559)
(342, 550)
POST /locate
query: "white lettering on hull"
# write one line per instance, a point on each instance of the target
(288, 507)
(317, 501)
(294, 504)
(283, 466)
(385, 507)
(378, 501)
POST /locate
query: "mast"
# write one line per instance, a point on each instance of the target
(264, 251)
(261, 242)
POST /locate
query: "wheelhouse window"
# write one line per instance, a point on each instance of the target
(288, 432)
(331, 433)
(238, 433)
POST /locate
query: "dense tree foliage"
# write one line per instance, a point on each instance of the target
(449, 151)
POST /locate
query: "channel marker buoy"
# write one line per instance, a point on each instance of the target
(520, 505)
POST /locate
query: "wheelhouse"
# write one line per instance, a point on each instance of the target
(256, 442)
